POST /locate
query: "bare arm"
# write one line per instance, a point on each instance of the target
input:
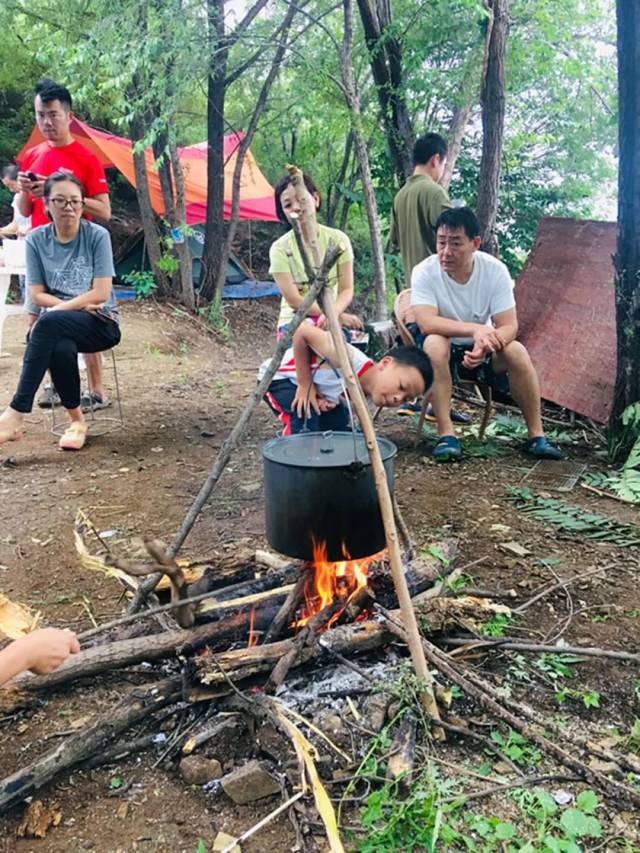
(307, 340)
(493, 339)
(40, 651)
(100, 290)
(430, 323)
(99, 206)
(290, 293)
(10, 229)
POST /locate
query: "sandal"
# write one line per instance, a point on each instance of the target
(73, 437)
(541, 448)
(447, 449)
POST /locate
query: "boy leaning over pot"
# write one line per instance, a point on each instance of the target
(309, 390)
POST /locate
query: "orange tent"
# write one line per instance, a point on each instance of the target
(256, 193)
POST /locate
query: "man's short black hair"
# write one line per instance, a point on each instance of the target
(414, 357)
(10, 172)
(49, 91)
(426, 146)
(460, 217)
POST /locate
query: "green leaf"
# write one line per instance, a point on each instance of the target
(587, 801)
(202, 847)
(505, 831)
(115, 782)
(576, 824)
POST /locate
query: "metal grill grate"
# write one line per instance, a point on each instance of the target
(549, 474)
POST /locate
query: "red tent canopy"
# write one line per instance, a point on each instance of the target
(256, 193)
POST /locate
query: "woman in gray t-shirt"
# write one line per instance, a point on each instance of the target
(69, 273)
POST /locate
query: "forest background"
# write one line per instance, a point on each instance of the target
(147, 70)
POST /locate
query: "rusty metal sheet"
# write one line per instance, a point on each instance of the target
(566, 313)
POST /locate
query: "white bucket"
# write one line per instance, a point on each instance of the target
(14, 253)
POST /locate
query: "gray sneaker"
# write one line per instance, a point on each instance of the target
(49, 398)
(91, 402)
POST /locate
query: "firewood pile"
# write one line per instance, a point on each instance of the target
(281, 682)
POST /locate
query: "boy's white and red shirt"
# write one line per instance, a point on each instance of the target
(327, 379)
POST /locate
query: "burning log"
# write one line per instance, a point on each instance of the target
(305, 638)
(232, 620)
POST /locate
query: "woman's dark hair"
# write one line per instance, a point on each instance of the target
(10, 172)
(49, 91)
(57, 178)
(281, 186)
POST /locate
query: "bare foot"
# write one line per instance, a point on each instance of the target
(10, 425)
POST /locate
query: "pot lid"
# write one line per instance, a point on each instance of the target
(324, 449)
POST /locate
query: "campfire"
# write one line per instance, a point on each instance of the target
(333, 583)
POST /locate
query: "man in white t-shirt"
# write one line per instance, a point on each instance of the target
(466, 316)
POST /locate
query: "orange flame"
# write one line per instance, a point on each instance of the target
(253, 635)
(328, 582)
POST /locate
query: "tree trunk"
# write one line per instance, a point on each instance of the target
(245, 142)
(212, 262)
(160, 149)
(333, 193)
(180, 220)
(627, 258)
(385, 58)
(459, 121)
(147, 214)
(353, 102)
(493, 109)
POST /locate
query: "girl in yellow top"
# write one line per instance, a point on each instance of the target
(288, 271)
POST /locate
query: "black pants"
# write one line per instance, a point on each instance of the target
(54, 344)
(280, 397)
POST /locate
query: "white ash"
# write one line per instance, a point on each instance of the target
(319, 688)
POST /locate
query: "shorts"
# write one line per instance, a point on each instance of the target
(280, 396)
(483, 373)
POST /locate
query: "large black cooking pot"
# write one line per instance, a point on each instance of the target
(320, 486)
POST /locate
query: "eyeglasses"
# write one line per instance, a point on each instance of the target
(61, 203)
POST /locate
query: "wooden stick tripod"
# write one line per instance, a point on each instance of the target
(305, 233)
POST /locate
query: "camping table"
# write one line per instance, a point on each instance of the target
(6, 310)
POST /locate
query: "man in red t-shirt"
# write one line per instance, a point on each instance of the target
(60, 152)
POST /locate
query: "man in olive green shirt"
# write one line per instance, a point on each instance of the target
(419, 203)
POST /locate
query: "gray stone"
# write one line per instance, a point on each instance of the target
(251, 782)
(375, 712)
(196, 770)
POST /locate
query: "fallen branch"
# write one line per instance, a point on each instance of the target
(134, 707)
(439, 659)
(514, 645)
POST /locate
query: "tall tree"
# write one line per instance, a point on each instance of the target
(492, 99)
(352, 97)
(220, 43)
(245, 142)
(627, 258)
(385, 56)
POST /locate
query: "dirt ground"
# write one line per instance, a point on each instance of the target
(182, 391)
